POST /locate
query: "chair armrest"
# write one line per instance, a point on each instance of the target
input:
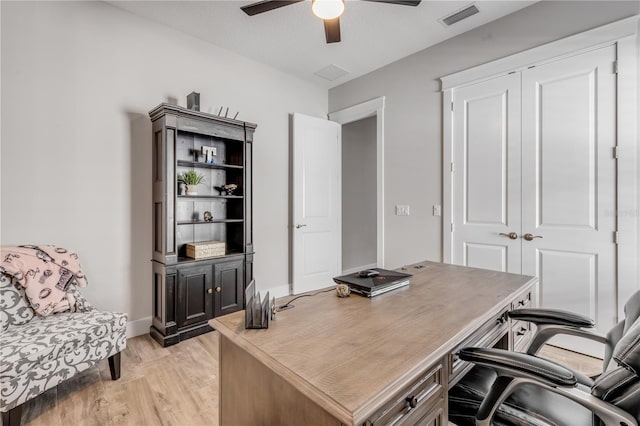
(550, 322)
(552, 317)
(514, 364)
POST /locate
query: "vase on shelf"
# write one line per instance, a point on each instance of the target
(192, 189)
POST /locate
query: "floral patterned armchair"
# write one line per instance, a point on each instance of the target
(38, 353)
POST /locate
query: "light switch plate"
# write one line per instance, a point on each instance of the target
(402, 210)
(437, 210)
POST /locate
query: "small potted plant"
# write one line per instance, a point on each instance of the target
(191, 179)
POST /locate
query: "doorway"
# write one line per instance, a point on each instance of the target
(362, 184)
(359, 230)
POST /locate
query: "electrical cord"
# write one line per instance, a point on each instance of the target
(289, 305)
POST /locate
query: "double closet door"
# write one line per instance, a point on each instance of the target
(534, 180)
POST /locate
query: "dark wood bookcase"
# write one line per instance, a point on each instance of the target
(189, 292)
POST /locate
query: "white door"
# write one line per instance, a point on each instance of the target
(565, 180)
(316, 203)
(569, 183)
(486, 179)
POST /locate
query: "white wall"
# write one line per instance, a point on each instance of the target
(413, 112)
(78, 79)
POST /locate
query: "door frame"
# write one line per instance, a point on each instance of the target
(370, 108)
(624, 35)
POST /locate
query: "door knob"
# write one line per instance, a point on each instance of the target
(218, 289)
(530, 237)
(511, 235)
(298, 226)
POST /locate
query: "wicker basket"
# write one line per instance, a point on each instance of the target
(206, 249)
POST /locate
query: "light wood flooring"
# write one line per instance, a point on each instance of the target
(177, 385)
(575, 361)
(165, 386)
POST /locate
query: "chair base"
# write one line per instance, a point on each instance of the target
(12, 417)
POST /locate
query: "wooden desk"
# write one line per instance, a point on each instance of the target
(359, 361)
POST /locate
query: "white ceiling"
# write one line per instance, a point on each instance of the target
(292, 39)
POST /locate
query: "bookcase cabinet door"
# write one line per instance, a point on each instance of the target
(195, 294)
(229, 279)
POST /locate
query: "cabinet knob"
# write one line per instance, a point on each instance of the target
(210, 291)
(412, 401)
(218, 289)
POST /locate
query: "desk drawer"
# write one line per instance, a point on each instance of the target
(521, 334)
(434, 417)
(486, 336)
(523, 301)
(412, 403)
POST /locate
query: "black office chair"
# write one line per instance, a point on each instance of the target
(509, 388)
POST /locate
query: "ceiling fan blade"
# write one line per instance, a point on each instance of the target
(266, 5)
(399, 2)
(332, 30)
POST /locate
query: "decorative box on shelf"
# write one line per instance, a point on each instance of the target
(206, 249)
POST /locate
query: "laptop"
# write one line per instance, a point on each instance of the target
(373, 282)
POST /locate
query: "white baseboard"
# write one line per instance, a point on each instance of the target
(280, 291)
(359, 268)
(138, 327)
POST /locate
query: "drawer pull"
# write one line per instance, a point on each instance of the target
(522, 331)
(501, 320)
(521, 303)
(412, 401)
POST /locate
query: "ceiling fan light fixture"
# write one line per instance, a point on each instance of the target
(327, 9)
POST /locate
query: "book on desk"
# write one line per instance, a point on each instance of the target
(373, 282)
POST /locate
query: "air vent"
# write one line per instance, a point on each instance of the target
(331, 72)
(460, 15)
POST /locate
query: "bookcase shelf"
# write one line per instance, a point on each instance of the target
(207, 165)
(202, 222)
(205, 197)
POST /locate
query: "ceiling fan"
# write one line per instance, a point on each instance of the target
(327, 10)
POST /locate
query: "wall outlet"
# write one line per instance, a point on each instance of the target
(437, 210)
(402, 210)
